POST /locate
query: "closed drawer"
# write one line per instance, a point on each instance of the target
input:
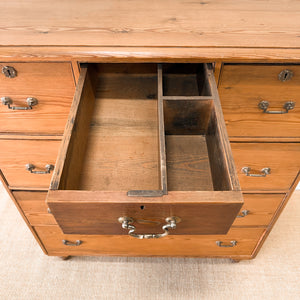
(253, 160)
(34, 207)
(143, 150)
(258, 209)
(202, 246)
(242, 89)
(23, 162)
(51, 84)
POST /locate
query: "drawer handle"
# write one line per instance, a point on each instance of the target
(68, 243)
(9, 72)
(127, 224)
(232, 244)
(243, 213)
(264, 105)
(30, 102)
(264, 172)
(31, 167)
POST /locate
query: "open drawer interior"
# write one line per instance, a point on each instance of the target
(145, 141)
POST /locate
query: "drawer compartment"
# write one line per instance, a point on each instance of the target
(266, 166)
(38, 99)
(130, 152)
(255, 97)
(258, 209)
(191, 245)
(35, 208)
(23, 162)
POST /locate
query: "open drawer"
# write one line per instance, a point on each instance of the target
(145, 149)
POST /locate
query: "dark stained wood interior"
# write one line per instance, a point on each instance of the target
(123, 149)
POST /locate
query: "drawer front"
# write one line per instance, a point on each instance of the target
(98, 213)
(51, 85)
(243, 88)
(16, 155)
(258, 209)
(246, 241)
(283, 160)
(35, 208)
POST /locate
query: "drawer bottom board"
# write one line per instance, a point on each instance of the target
(119, 245)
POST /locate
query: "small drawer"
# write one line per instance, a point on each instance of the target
(238, 242)
(38, 99)
(35, 208)
(28, 163)
(258, 209)
(261, 100)
(266, 166)
(138, 158)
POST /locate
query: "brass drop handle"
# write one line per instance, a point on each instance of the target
(74, 244)
(31, 167)
(264, 172)
(264, 105)
(9, 72)
(30, 102)
(221, 244)
(127, 224)
(243, 213)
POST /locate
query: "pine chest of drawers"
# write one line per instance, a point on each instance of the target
(126, 139)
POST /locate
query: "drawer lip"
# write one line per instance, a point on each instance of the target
(64, 196)
(121, 197)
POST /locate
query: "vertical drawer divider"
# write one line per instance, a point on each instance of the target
(162, 146)
(161, 133)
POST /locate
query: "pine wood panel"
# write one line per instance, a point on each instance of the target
(34, 207)
(243, 87)
(189, 245)
(15, 154)
(159, 23)
(282, 158)
(188, 166)
(261, 209)
(52, 84)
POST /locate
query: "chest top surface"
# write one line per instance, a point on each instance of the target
(226, 28)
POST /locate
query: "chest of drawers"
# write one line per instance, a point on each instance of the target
(182, 142)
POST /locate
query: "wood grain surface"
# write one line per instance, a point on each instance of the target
(282, 158)
(188, 167)
(150, 54)
(158, 23)
(261, 209)
(34, 207)
(122, 147)
(243, 87)
(52, 84)
(15, 154)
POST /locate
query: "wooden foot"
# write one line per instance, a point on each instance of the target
(235, 260)
(65, 257)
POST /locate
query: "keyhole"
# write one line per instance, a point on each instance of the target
(142, 207)
(9, 72)
(285, 75)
